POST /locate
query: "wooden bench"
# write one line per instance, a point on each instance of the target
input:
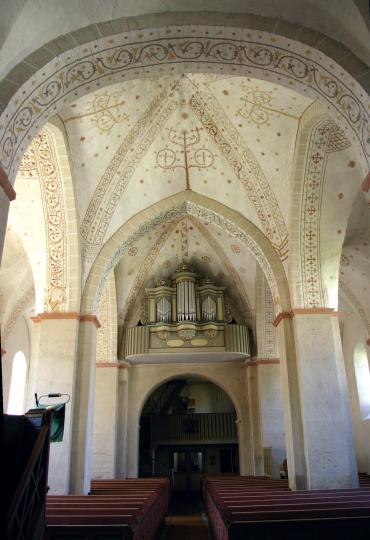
(116, 509)
(247, 508)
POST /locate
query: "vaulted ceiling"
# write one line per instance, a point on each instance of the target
(133, 144)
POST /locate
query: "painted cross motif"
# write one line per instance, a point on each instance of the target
(185, 151)
(257, 105)
(107, 111)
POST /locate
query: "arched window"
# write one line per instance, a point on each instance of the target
(362, 372)
(17, 384)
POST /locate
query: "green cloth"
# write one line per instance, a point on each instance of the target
(57, 424)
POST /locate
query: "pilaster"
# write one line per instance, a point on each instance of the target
(318, 425)
(53, 371)
(255, 413)
(122, 412)
(83, 406)
(105, 420)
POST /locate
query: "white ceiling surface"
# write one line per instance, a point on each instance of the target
(26, 26)
(266, 118)
(264, 115)
(15, 272)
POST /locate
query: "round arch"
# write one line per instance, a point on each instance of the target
(17, 392)
(208, 378)
(178, 49)
(230, 377)
(205, 210)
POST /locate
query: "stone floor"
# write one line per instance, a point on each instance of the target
(187, 520)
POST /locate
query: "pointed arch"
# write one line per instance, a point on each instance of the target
(315, 244)
(146, 266)
(171, 210)
(47, 159)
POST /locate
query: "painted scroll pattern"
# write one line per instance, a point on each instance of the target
(104, 341)
(245, 167)
(67, 79)
(324, 138)
(40, 161)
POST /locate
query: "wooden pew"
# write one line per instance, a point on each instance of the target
(116, 509)
(242, 508)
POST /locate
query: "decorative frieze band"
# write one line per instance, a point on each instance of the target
(67, 315)
(304, 311)
(259, 54)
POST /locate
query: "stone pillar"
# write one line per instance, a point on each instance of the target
(123, 375)
(292, 405)
(245, 428)
(272, 411)
(53, 371)
(255, 414)
(319, 436)
(105, 421)
(83, 406)
(132, 428)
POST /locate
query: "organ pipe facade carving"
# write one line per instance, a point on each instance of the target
(186, 313)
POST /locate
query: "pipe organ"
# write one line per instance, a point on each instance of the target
(186, 313)
(185, 298)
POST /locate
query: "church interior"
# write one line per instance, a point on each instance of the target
(185, 240)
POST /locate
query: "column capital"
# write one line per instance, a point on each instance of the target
(86, 317)
(304, 311)
(261, 362)
(118, 365)
(63, 315)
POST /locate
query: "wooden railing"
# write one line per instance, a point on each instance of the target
(194, 427)
(145, 339)
(26, 511)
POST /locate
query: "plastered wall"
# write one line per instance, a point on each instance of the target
(353, 333)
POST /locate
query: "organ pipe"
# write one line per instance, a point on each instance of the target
(186, 301)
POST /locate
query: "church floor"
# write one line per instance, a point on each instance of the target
(186, 520)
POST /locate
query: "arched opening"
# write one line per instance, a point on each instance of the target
(361, 363)
(17, 384)
(188, 427)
